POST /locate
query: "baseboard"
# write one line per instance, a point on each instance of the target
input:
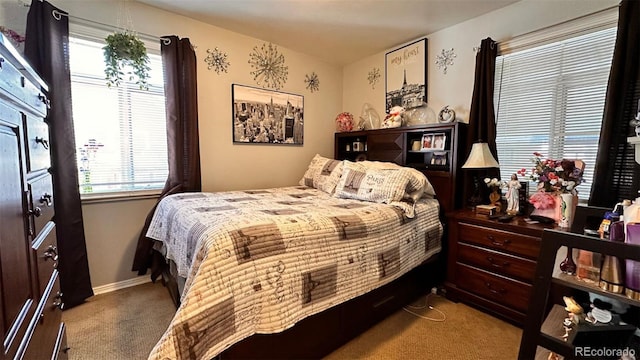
(121, 284)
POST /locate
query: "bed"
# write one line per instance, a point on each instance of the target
(282, 260)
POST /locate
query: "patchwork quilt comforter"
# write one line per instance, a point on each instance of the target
(259, 261)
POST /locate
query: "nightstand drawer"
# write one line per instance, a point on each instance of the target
(524, 245)
(499, 263)
(512, 293)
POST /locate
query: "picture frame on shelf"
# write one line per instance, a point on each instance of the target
(263, 116)
(406, 75)
(427, 142)
(439, 158)
(439, 140)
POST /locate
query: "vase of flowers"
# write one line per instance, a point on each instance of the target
(496, 194)
(557, 181)
(554, 178)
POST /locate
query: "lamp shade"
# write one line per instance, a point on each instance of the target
(480, 157)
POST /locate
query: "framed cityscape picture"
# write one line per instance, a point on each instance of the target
(406, 76)
(262, 116)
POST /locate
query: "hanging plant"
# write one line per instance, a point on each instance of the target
(125, 49)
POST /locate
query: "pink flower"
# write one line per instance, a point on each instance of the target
(542, 200)
(556, 176)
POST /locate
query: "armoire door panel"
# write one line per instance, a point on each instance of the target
(17, 292)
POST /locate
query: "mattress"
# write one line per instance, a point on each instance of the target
(258, 261)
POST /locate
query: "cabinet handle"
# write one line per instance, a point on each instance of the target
(57, 302)
(45, 199)
(35, 212)
(51, 253)
(500, 291)
(493, 263)
(44, 99)
(1, 62)
(43, 141)
(495, 242)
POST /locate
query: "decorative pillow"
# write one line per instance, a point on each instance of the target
(418, 185)
(375, 185)
(323, 174)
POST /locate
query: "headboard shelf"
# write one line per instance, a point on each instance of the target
(437, 150)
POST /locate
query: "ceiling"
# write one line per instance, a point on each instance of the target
(336, 31)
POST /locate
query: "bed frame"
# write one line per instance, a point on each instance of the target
(320, 334)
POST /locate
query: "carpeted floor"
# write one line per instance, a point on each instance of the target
(126, 324)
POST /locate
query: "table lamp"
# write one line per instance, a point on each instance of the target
(480, 157)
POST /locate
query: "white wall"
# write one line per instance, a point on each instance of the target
(456, 87)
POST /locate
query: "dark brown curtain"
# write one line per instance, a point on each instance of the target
(482, 118)
(179, 62)
(617, 175)
(47, 49)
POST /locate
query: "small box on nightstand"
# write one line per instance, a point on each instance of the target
(486, 209)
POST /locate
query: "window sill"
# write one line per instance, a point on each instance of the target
(119, 196)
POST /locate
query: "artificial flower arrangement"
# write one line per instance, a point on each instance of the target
(344, 121)
(495, 185)
(554, 177)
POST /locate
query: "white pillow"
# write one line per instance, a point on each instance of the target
(418, 185)
(322, 174)
(380, 185)
(375, 185)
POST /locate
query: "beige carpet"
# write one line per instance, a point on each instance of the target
(126, 324)
(119, 325)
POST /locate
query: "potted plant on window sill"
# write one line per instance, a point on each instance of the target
(125, 49)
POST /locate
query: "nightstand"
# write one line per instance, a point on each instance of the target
(491, 265)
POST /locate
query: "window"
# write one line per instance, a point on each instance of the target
(550, 99)
(119, 131)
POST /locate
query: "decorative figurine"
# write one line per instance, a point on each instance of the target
(572, 306)
(394, 118)
(513, 200)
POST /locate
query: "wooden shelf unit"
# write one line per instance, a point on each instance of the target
(540, 333)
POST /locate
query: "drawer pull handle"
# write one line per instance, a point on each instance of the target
(494, 263)
(57, 302)
(44, 99)
(43, 141)
(45, 199)
(51, 253)
(500, 291)
(495, 242)
(35, 212)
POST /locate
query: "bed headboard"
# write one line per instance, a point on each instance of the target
(415, 147)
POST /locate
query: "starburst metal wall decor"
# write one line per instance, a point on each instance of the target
(312, 81)
(217, 60)
(270, 70)
(373, 77)
(445, 59)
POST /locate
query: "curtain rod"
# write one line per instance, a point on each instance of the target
(58, 15)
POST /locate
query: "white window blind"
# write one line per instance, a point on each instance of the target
(119, 131)
(550, 99)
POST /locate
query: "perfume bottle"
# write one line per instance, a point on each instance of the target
(612, 270)
(632, 271)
